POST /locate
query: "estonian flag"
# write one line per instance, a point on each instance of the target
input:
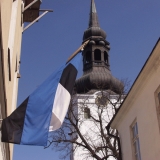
(44, 110)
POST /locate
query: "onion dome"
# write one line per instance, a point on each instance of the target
(94, 29)
(98, 79)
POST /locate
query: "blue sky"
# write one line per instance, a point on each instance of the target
(132, 28)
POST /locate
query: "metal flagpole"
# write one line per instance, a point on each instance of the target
(78, 50)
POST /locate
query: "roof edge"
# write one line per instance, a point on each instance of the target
(112, 123)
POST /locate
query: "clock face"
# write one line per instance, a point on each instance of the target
(101, 101)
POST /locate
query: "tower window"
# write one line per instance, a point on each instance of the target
(105, 56)
(87, 114)
(88, 57)
(97, 55)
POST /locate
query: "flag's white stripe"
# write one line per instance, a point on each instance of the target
(60, 107)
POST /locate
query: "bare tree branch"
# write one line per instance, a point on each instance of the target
(89, 136)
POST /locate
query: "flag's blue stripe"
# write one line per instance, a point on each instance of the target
(39, 109)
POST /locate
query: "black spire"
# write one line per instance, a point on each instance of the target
(93, 19)
(96, 69)
(94, 29)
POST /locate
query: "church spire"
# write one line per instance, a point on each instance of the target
(93, 19)
(94, 30)
(96, 68)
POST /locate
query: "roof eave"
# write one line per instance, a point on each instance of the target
(139, 82)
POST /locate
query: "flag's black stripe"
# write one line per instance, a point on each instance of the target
(12, 126)
(68, 78)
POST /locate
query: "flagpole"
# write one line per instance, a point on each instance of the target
(78, 50)
(74, 54)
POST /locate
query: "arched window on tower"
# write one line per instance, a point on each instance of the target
(88, 57)
(87, 114)
(97, 55)
(106, 57)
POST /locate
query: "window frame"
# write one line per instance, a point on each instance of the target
(97, 55)
(9, 65)
(135, 141)
(86, 113)
(157, 104)
(106, 60)
(88, 57)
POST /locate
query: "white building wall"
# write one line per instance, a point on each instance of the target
(88, 127)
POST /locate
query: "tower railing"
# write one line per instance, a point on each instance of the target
(94, 64)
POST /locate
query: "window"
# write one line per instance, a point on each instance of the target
(87, 113)
(158, 96)
(157, 100)
(9, 65)
(88, 57)
(135, 141)
(106, 57)
(97, 55)
(16, 68)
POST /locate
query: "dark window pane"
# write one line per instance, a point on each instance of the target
(105, 57)
(88, 57)
(9, 65)
(97, 55)
(86, 113)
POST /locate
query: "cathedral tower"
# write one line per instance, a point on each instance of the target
(96, 67)
(97, 93)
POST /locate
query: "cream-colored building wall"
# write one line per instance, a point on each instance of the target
(11, 86)
(16, 57)
(140, 106)
(6, 8)
(11, 28)
(144, 112)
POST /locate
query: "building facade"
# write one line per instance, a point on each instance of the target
(12, 18)
(138, 119)
(10, 47)
(97, 90)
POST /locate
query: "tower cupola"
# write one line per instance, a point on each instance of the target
(96, 67)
